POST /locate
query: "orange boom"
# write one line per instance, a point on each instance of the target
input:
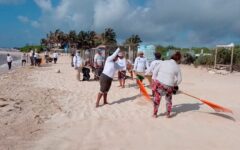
(143, 90)
(214, 106)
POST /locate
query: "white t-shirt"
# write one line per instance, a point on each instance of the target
(46, 53)
(140, 64)
(98, 60)
(77, 61)
(36, 55)
(168, 72)
(153, 65)
(55, 55)
(24, 57)
(9, 59)
(122, 62)
(110, 66)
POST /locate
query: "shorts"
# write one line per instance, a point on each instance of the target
(24, 61)
(121, 75)
(105, 83)
(98, 71)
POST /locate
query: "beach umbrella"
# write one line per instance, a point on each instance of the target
(143, 90)
(214, 106)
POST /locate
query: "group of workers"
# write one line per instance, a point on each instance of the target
(166, 76)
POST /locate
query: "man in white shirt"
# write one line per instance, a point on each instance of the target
(111, 66)
(46, 55)
(9, 61)
(78, 62)
(98, 64)
(140, 65)
(122, 72)
(31, 55)
(168, 75)
(55, 57)
(24, 59)
(37, 59)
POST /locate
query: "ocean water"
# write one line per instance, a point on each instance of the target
(3, 59)
(3, 62)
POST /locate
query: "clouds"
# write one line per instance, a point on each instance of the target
(26, 20)
(110, 12)
(23, 19)
(178, 22)
(45, 5)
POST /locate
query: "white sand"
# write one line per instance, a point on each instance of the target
(46, 110)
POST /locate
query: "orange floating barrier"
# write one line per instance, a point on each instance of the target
(143, 90)
(214, 106)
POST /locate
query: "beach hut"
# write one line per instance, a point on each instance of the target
(228, 47)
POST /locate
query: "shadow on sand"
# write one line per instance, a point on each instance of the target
(122, 100)
(182, 108)
(223, 116)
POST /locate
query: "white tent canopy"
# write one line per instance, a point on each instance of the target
(225, 46)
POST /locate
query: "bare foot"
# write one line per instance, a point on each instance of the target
(154, 115)
(168, 115)
(105, 103)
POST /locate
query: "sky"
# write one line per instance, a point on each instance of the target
(182, 23)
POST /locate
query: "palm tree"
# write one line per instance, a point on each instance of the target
(43, 42)
(90, 38)
(82, 39)
(132, 42)
(72, 38)
(109, 37)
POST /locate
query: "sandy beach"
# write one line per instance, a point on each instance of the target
(41, 109)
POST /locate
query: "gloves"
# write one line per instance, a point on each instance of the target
(175, 89)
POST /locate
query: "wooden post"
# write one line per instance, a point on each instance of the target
(215, 60)
(231, 65)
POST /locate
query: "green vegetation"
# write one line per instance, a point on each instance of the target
(28, 48)
(223, 57)
(81, 40)
(204, 60)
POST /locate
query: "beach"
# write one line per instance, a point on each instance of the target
(41, 109)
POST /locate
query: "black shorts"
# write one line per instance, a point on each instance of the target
(98, 71)
(24, 61)
(105, 83)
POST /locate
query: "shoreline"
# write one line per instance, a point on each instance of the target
(15, 64)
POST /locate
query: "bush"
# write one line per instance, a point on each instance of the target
(204, 60)
(224, 56)
(188, 59)
(236, 59)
